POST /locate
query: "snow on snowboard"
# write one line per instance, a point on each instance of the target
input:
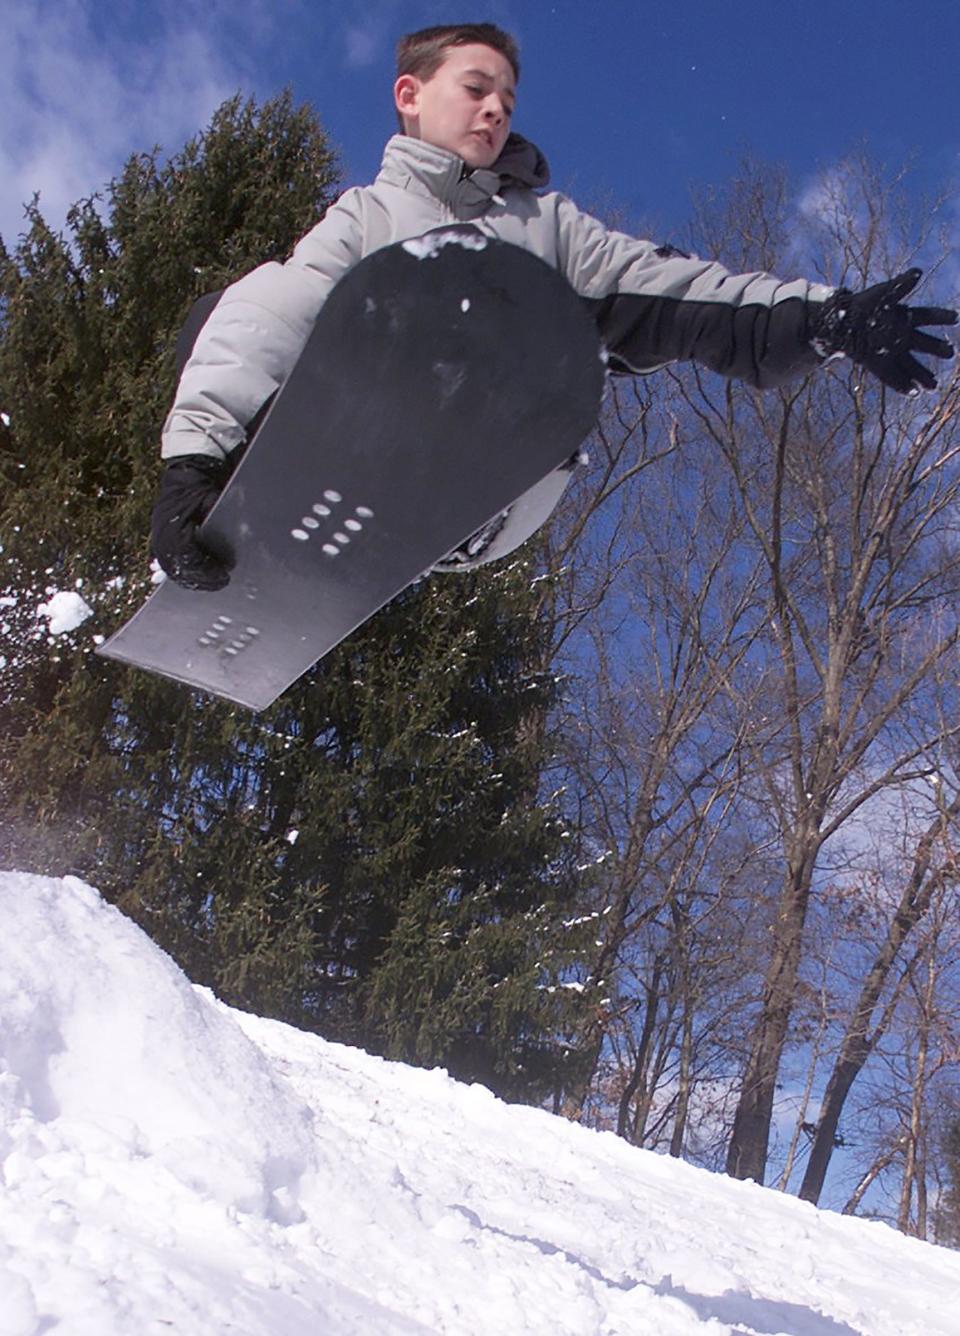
(444, 378)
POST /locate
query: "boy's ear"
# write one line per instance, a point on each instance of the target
(406, 94)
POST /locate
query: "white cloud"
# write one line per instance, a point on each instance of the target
(362, 46)
(368, 30)
(82, 87)
(822, 197)
(838, 200)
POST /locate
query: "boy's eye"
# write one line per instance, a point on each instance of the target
(481, 92)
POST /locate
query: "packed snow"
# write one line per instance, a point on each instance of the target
(429, 246)
(169, 1164)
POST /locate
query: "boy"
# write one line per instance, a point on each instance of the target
(457, 160)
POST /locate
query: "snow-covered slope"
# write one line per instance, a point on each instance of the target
(167, 1164)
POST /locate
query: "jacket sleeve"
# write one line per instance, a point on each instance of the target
(654, 305)
(253, 337)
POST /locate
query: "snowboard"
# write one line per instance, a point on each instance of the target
(444, 378)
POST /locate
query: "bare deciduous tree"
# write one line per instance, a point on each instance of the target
(849, 499)
(759, 613)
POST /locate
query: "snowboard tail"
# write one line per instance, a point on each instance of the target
(444, 378)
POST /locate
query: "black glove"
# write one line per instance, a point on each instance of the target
(188, 490)
(877, 330)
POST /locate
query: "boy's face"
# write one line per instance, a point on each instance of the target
(466, 106)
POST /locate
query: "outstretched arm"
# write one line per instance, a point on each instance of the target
(655, 305)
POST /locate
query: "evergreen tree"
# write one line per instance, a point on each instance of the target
(371, 857)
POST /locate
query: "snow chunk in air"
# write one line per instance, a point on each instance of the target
(65, 611)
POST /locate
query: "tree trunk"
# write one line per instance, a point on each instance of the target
(801, 1120)
(638, 1077)
(912, 1168)
(685, 1084)
(860, 1040)
(747, 1153)
(882, 1162)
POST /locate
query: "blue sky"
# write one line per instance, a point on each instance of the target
(633, 103)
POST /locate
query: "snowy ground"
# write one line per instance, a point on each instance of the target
(167, 1164)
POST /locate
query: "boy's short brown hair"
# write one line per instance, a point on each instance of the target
(422, 53)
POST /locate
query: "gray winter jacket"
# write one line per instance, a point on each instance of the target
(653, 304)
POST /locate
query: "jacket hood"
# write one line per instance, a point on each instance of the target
(522, 163)
(415, 164)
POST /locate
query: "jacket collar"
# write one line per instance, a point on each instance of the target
(426, 169)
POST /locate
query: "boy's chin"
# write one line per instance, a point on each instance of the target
(476, 154)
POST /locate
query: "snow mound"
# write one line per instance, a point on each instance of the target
(121, 1031)
(169, 1164)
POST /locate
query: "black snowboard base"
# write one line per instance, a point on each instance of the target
(443, 378)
